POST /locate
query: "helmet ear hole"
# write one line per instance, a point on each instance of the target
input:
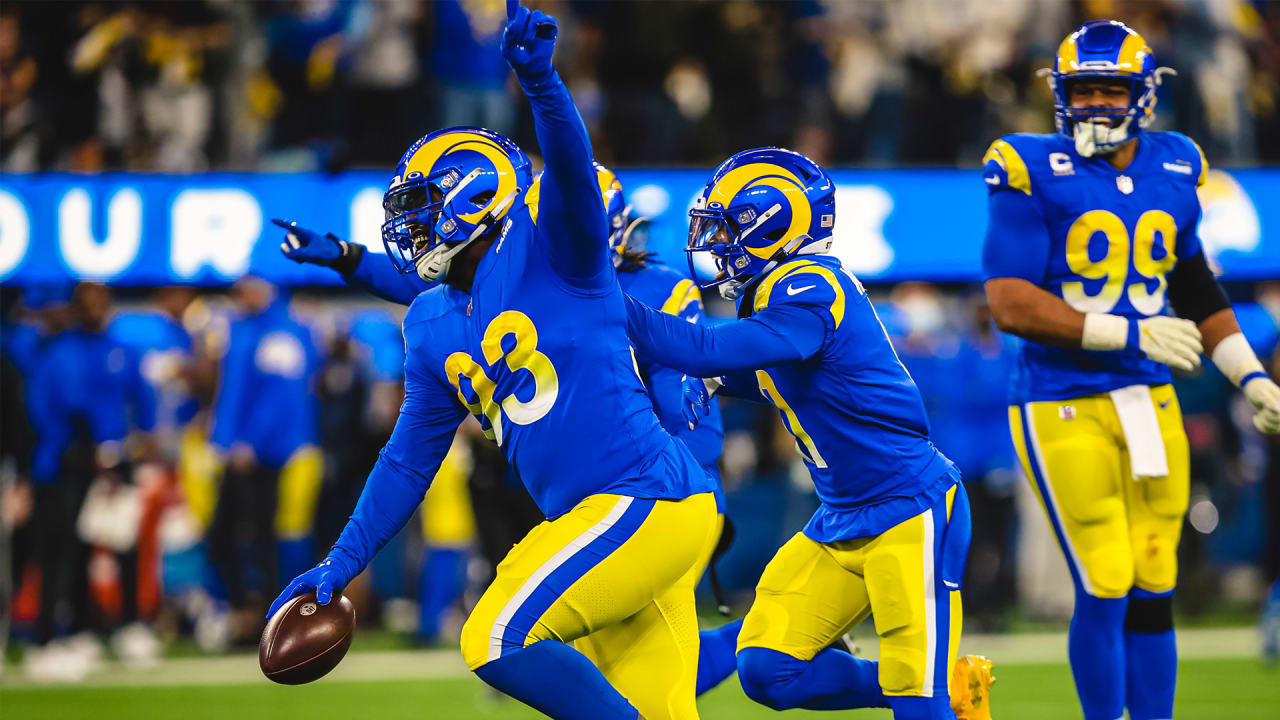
(482, 199)
(775, 235)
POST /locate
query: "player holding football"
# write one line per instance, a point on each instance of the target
(641, 277)
(1091, 236)
(892, 532)
(528, 333)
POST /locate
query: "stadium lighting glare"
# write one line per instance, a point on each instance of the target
(1204, 516)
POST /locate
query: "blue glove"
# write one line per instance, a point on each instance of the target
(696, 402)
(528, 42)
(323, 578)
(308, 246)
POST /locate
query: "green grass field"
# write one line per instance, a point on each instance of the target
(1207, 690)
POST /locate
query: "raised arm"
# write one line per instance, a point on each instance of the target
(572, 227)
(787, 333)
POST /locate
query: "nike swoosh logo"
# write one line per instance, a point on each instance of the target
(793, 290)
(992, 180)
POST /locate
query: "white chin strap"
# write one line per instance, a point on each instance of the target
(1099, 138)
(434, 265)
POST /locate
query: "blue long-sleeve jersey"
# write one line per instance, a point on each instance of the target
(265, 393)
(377, 275)
(538, 352)
(84, 380)
(671, 292)
(656, 285)
(821, 356)
(1102, 240)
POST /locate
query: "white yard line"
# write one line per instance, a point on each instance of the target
(1020, 649)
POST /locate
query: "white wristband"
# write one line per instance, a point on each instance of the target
(1235, 358)
(1104, 332)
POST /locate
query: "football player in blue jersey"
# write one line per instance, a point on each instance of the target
(674, 293)
(891, 534)
(640, 276)
(1091, 238)
(528, 334)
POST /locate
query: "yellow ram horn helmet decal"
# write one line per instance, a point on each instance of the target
(427, 156)
(747, 176)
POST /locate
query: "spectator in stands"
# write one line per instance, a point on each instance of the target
(386, 79)
(19, 137)
(468, 67)
(158, 85)
(309, 45)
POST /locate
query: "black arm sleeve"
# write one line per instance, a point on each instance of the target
(1193, 290)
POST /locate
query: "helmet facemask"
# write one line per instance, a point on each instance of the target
(720, 233)
(1102, 130)
(620, 227)
(423, 232)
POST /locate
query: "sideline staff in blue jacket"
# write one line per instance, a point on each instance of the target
(264, 412)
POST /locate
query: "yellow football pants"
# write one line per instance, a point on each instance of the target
(447, 517)
(1116, 532)
(812, 593)
(199, 472)
(300, 481)
(621, 570)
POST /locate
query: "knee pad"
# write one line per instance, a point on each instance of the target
(1149, 615)
(1110, 570)
(768, 677)
(902, 669)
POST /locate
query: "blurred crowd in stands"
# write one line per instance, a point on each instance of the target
(189, 85)
(169, 461)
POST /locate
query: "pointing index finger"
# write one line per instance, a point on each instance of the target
(512, 7)
(284, 223)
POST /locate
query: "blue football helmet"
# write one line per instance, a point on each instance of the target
(450, 188)
(761, 208)
(1104, 49)
(621, 224)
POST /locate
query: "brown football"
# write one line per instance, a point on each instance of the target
(305, 640)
